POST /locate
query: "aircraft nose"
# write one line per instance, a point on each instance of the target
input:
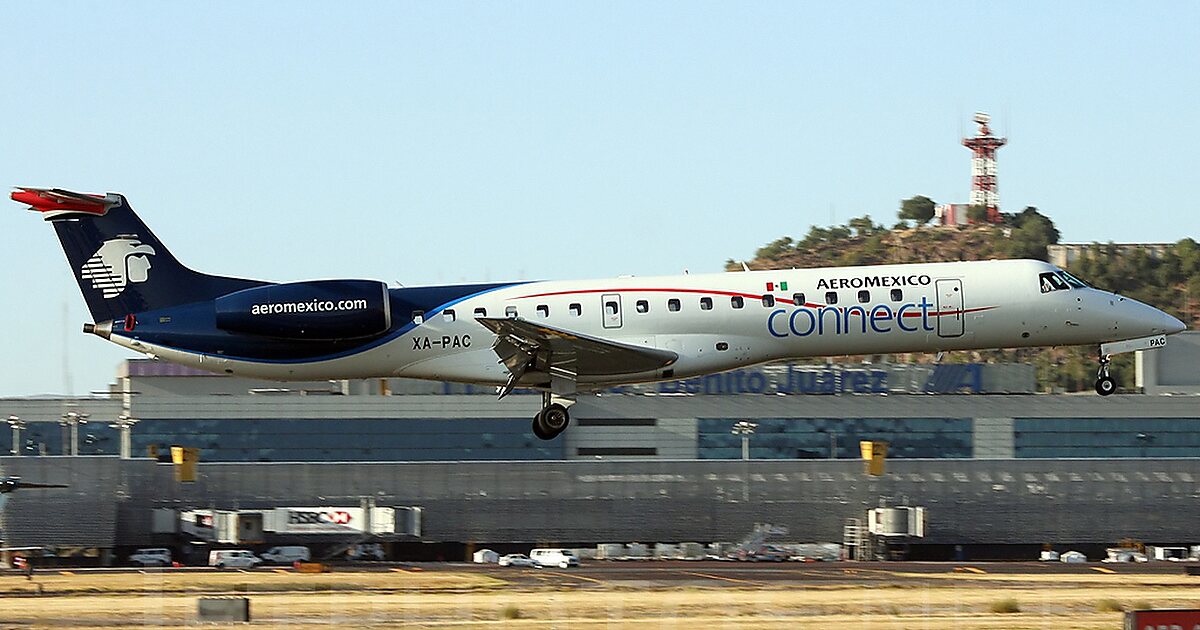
(1156, 322)
(1172, 325)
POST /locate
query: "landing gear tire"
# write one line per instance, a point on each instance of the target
(552, 421)
(537, 429)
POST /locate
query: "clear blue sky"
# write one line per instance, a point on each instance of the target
(444, 142)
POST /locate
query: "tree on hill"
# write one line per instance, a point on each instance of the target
(977, 214)
(864, 226)
(1032, 232)
(919, 209)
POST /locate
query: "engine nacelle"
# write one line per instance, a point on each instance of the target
(317, 310)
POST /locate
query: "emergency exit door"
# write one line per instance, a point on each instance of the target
(610, 303)
(949, 308)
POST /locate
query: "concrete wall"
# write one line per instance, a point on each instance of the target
(969, 501)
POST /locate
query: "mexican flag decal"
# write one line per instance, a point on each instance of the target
(776, 286)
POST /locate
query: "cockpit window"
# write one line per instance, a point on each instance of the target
(1052, 282)
(1075, 283)
(1059, 281)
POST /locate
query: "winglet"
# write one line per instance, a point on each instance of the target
(55, 202)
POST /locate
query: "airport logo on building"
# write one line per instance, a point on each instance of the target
(117, 263)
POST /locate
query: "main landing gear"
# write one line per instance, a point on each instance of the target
(1105, 384)
(553, 418)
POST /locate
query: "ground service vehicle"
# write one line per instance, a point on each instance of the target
(151, 557)
(286, 554)
(515, 560)
(561, 558)
(233, 559)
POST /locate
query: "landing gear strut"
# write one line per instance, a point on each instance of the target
(552, 419)
(1105, 384)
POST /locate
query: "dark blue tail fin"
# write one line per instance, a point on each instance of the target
(121, 267)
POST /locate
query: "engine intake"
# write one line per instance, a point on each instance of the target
(317, 310)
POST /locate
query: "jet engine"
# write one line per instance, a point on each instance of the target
(312, 310)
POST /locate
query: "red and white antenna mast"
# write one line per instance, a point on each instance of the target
(983, 167)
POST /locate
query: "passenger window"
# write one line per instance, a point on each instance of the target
(798, 299)
(864, 296)
(706, 303)
(543, 310)
(576, 309)
(642, 306)
(610, 308)
(418, 317)
(673, 305)
(510, 311)
(736, 301)
(768, 301)
(481, 312)
(897, 295)
(448, 315)
(831, 298)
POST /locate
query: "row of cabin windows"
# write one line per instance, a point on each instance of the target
(673, 304)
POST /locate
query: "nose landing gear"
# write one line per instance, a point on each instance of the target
(1105, 384)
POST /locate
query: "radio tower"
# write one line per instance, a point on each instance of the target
(983, 167)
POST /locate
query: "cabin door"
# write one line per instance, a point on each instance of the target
(949, 308)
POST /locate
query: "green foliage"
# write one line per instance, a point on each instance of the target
(775, 248)
(919, 209)
(977, 214)
(864, 226)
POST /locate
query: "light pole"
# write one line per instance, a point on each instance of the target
(16, 424)
(745, 429)
(125, 424)
(72, 420)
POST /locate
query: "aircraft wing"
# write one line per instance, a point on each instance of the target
(525, 346)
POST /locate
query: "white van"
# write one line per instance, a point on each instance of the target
(233, 558)
(561, 558)
(151, 557)
(287, 554)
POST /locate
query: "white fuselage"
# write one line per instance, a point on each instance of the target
(718, 322)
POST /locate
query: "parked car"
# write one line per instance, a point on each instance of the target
(233, 559)
(561, 558)
(516, 560)
(287, 554)
(151, 557)
(366, 551)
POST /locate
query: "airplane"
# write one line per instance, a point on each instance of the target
(564, 338)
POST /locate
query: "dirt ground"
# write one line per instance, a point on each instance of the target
(467, 600)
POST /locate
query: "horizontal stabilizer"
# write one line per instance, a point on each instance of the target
(55, 202)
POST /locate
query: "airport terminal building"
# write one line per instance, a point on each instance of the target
(418, 464)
